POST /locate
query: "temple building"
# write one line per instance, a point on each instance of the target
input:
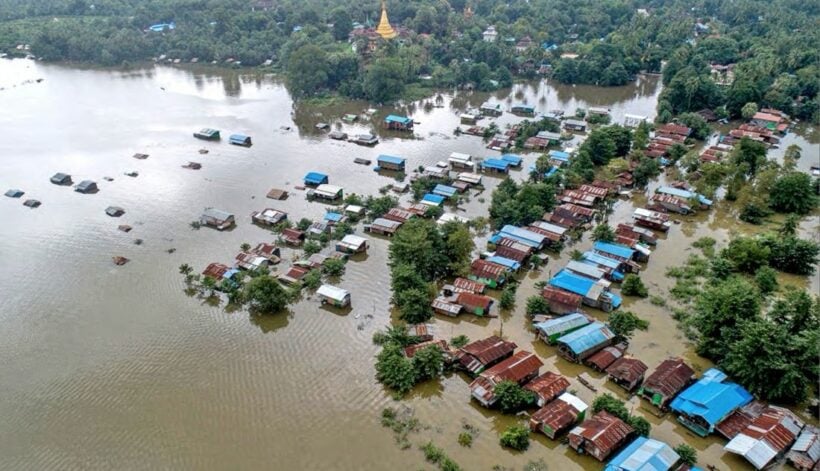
(384, 29)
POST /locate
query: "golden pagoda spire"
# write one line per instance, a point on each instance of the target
(384, 29)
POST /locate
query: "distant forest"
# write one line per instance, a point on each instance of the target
(770, 46)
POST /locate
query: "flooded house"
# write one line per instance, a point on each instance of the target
(488, 273)
(579, 198)
(770, 121)
(423, 332)
(477, 356)
(383, 226)
(574, 125)
(595, 294)
(277, 194)
(586, 270)
(613, 269)
(446, 306)
(207, 134)
(553, 232)
(268, 217)
(293, 275)
(390, 162)
(561, 301)
(542, 140)
(217, 218)
(333, 295)
(240, 140)
(471, 179)
(520, 368)
(450, 217)
(318, 228)
(411, 350)
(334, 217)
(432, 200)
(643, 235)
(218, 271)
(32, 203)
(670, 203)
(602, 359)
(398, 123)
(495, 165)
(520, 108)
(445, 191)
(337, 135)
(15, 193)
(514, 160)
(355, 210)
(251, 261)
(668, 379)
(463, 285)
(326, 192)
(436, 173)
(352, 244)
(805, 454)
(293, 236)
(509, 264)
(364, 139)
(461, 160)
(86, 186)
(634, 120)
(269, 251)
(547, 387)
(315, 179)
(416, 208)
(618, 252)
(559, 158)
(472, 303)
(512, 249)
(524, 236)
(627, 372)
(490, 109)
(703, 405)
(60, 178)
(767, 438)
(576, 212)
(600, 435)
(645, 454)
(558, 415)
(652, 219)
(114, 211)
(580, 344)
(398, 215)
(685, 195)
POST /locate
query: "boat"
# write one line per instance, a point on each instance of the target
(361, 161)
(208, 134)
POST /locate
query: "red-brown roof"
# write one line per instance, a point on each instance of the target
(515, 368)
(265, 250)
(673, 129)
(602, 359)
(604, 431)
(216, 271)
(514, 244)
(489, 270)
(549, 235)
(577, 210)
(484, 351)
(548, 386)
(472, 301)
(557, 415)
(398, 215)
(595, 190)
(463, 285)
(767, 117)
(740, 418)
(511, 253)
(557, 295)
(776, 426)
(628, 370)
(411, 350)
(291, 234)
(670, 377)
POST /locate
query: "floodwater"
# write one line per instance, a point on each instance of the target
(116, 367)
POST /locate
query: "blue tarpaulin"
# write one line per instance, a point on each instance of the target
(587, 337)
(444, 190)
(615, 249)
(644, 454)
(333, 217)
(315, 178)
(434, 199)
(558, 155)
(711, 398)
(398, 119)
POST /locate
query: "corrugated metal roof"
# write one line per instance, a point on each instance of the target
(524, 236)
(767, 436)
(512, 159)
(670, 377)
(465, 285)
(560, 413)
(391, 159)
(562, 324)
(668, 190)
(386, 223)
(472, 301)
(430, 198)
(601, 260)
(628, 370)
(397, 119)
(485, 269)
(587, 337)
(603, 430)
(590, 271)
(548, 386)
(511, 253)
(806, 450)
(315, 178)
(614, 249)
(217, 214)
(481, 353)
(605, 357)
(515, 368)
(559, 296)
(506, 262)
(573, 283)
(644, 454)
(497, 164)
(411, 350)
(444, 190)
(711, 397)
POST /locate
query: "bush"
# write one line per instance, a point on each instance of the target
(641, 426)
(428, 362)
(266, 295)
(394, 370)
(432, 453)
(459, 341)
(311, 247)
(687, 454)
(537, 305)
(633, 286)
(516, 437)
(333, 267)
(611, 404)
(303, 224)
(624, 323)
(512, 398)
(507, 298)
(312, 280)
(766, 280)
(465, 439)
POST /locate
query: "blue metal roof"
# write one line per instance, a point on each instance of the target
(558, 155)
(572, 283)
(711, 398)
(668, 190)
(521, 106)
(512, 159)
(644, 454)
(614, 249)
(496, 164)
(316, 178)
(238, 137)
(614, 299)
(598, 259)
(335, 217)
(435, 199)
(444, 190)
(397, 119)
(390, 159)
(533, 239)
(587, 337)
(506, 262)
(562, 324)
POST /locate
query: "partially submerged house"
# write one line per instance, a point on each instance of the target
(292, 236)
(207, 134)
(767, 438)
(519, 368)
(352, 244)
(15, 193)
(652, 219)
(390, 162)
(547, 387)
(645, 454)
(524, 236)
(441, 344)
(326, 192)
(594, 293)
(269, 251)
(613, 269)
(578, 345)
(293, 275)
(315, 179)
(627, 372)
(398, 215)
(603, 358)
(477, 304)
(114, 211)
(558, 415)
(668, 379)
(574, 125)
(445, 191)
(551, 330)
(251, 261)
(217, 218)
(365, 139)
(432, 200)
(805, 454)
(240, 140)
(495, 165)
(86, 186)
(218, 271)
(60, 178)
(333, 295)
(463, 285)
(398, 123)
(423, 332)
(268, 217)
(520, 108)
(460, 160)
(383, 226)
(561, 301)
(599, 435)
(488, 273)
(477, 356)
(706, 403)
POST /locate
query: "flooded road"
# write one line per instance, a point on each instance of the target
(115, 367)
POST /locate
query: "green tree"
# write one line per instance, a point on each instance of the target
(311, 247)
(307, 70)
(747, 254)
(333, 267)
(647, 169)
(516, 437)
(395, 334)
(633, 286)
(394, 370)
(603, 233)
(512, 398)
(414, 306)
(793, 193)
(642, 426)
(624, 323)
(312, 280)
(748, 110)
(750, 154)
(428, 362)
(458, 246)
(378, 206)
(609, 403)
(688, 455)
(341, 23)
(719, 310)
(384, 80)
(507, 300)
(459, 341)
(536, 304)
(766, 280)
(792, 254)
(266, 295)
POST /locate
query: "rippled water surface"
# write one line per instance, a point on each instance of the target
(107, 367)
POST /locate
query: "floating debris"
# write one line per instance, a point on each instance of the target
(140, 156)
(32, 203)
(108, 179)
(193, 165)
(132, 173)
(15, 193)
(322, 126)
(114, 211)
(171, 250)
(124, 227)
(361, 161)
(137, 241)
(203, 151)
(119, 260)
(277, 194)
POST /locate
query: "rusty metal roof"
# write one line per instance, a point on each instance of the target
(629, 370)
(511, 253)
(557, 415)
(515, 368)
(489, 270)
(398, 215)
(472, 301)
(605, 431)
(548, 234)
(601, 360)
(739, 419)
(565, 298)
(483, 352)
(670, 377)
(411, 350)
(514, 244)
(463, 285)
(806, 450)
(216, 270)
(548, 386)
(767, 436)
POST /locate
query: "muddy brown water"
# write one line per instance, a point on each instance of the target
(115, 367)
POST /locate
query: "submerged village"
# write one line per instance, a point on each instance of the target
(604, 288)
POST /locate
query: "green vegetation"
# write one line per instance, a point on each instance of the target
(507, 301)
(465, 439)
(512, 397)
(265, 295)
(520, 204)
(616, 407)
(537, 305)
(403, 423)
(633, 286)
(516, 437)
(624, 323)
(333, 267)
(459, 341)
(436, 455)
(688, 455)
(603, 233)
